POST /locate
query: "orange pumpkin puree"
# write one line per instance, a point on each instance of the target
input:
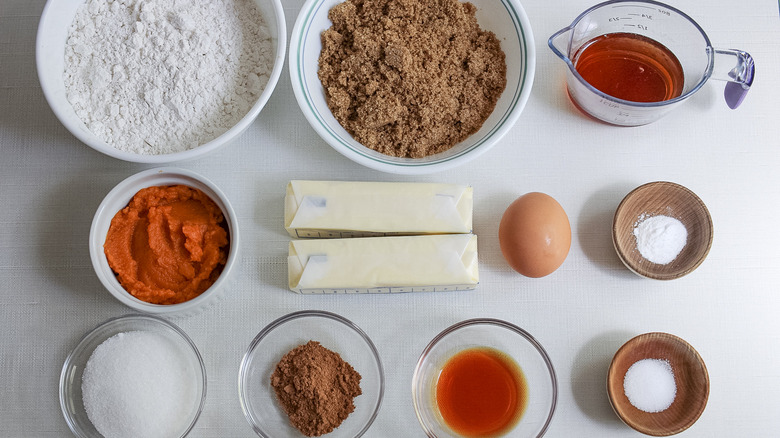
(168, 245)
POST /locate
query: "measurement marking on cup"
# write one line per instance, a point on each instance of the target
(638, 26)
(633, 6)
(609, 103)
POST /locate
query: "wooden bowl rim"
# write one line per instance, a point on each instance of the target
(668, 337)
(630, 263)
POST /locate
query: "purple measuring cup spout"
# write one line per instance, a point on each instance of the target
(739, 76)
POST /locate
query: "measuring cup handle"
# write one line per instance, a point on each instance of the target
(557, 37)
(739, 76)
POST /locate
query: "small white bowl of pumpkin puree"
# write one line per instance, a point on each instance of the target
(164, 241)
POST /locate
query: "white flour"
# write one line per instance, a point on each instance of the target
(660, 238)
(156, 77)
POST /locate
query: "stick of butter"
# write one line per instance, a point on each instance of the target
(384, 264)
(355, 209)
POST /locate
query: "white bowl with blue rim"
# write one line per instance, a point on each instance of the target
(505, 18)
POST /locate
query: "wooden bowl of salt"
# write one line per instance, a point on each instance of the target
(658, 384)
(662, 230)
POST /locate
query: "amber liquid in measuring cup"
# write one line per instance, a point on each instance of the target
(630, 67)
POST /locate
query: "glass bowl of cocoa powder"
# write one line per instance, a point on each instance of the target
(300, 356)
(420, 96)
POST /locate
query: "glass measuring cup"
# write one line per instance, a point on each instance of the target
(666, 25)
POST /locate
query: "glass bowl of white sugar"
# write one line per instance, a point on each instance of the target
(166, 82)
(132, 376)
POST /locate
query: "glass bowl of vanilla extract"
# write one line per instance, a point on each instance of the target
(484, 377)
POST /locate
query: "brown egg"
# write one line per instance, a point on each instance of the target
(535, 235)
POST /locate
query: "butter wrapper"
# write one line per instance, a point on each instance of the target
(428, 263)
(335, 209)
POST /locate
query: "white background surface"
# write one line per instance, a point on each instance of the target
(51, 184)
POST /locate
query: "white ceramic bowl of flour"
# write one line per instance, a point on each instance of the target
(57, 17)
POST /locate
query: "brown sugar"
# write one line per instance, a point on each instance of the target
(316, 388)
(410, 78)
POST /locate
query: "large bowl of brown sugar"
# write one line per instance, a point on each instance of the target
(412, 86)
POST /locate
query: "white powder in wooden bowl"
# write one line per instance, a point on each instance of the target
(660, 239)
(649, 385)
(164, 76)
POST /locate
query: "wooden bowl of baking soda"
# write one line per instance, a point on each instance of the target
(662, 230)
(658, 384)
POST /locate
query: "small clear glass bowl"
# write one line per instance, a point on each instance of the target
(70, 379)
(334, 332)
(500, 335)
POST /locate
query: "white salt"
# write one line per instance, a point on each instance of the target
(139, 384)
(649, 385)
(660, 238)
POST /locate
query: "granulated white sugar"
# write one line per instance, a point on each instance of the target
(649, 385)
(139, 384)
(163, 76)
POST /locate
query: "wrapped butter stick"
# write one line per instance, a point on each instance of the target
(353, 209)
(384, 264)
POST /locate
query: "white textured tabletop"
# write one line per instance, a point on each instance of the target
(728, 309)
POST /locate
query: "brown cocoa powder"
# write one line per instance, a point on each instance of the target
(316, 388)
(410, 78)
